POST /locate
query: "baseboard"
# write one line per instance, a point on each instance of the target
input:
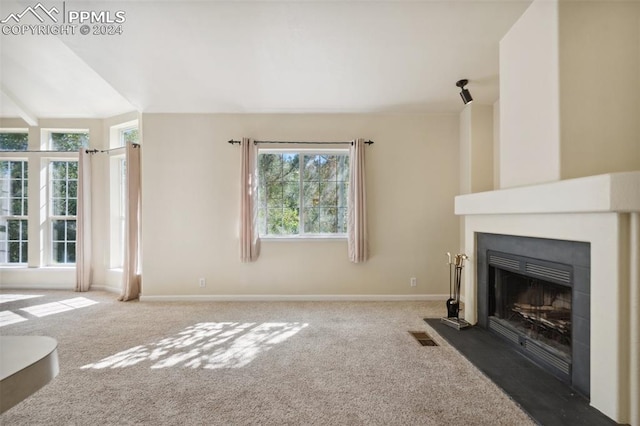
(37, 287)
(296, 298)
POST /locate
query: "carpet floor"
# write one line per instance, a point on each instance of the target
(247, 363)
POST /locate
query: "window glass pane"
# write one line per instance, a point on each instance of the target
(58, 169)
(129, 136)
(311, 220)
(58, 228)
(73, 189)
(274, 194)
(69, 141)
(72, 169)
(71, 230)
(59, 207)
(14, 141)
(328, 221)
(13, 241)
(290, 167)
(13, 230)
(59, 252)
(311, 167)
(14, 252)
(311, 194)
(328, 194)
(72, 206)
(63, 241)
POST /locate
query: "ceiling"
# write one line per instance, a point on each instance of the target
(258, 57)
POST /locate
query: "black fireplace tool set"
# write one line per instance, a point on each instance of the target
(453, 303)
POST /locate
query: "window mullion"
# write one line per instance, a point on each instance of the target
(301, 162)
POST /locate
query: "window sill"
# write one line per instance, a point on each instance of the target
(305, 238)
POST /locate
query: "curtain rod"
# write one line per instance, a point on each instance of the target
(88, 151)
(100, 151)
(232, 142)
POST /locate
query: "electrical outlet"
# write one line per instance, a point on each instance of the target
(413, 282)
(202, 282)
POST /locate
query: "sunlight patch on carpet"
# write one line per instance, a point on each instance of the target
(8, 317)
(208, 345)
(5, 298)
(58, 307)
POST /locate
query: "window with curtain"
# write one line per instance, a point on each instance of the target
(303, 193)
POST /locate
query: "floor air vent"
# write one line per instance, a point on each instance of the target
(423, 338)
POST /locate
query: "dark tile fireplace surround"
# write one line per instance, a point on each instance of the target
(504, 262)
(549, 396)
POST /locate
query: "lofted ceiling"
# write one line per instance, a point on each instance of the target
(258, 57)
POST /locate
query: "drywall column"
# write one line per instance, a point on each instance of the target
(529, 98)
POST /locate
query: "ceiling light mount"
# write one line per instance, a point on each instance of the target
(464, 93)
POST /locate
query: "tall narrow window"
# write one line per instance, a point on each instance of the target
(63, 205)
(13, 211)
(14, 203)
(120, 136)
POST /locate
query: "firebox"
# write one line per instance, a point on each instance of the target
(530, 303)
(534, 293)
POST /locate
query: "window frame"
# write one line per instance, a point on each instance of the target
(302, 152)
(11, 217)
(50, 217)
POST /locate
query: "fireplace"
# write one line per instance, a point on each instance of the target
(534, 293)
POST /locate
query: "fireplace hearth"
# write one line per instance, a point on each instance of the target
(534, 293)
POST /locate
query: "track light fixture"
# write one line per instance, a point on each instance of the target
(464, 93)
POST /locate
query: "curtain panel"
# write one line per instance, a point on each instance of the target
(357, 205)
(83, 222)
(133, 197)
(249, 238)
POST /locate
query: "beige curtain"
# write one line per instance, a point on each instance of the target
(131, 267)
(249, 239)
(83, 222)
(357, 203)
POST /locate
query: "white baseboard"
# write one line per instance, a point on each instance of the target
(296, 298)
(14, 287)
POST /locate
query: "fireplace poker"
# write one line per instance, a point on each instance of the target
(453, 303)
(451, 306)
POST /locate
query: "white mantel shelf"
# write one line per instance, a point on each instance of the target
(614, 192)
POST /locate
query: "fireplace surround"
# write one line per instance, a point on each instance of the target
(603, 211)
(512, 272)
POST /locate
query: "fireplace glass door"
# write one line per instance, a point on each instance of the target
(538, 309)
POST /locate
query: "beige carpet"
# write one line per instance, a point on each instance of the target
(302, 363)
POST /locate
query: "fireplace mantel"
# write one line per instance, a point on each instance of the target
(614, 192)
(604, 211)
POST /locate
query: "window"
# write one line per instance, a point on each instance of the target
(13, 211)
(302, 193)
(63, 178)
(68, 141)
(14, 140)
(14, 204)
(120, 136)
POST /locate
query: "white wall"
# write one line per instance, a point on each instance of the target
(190, 207)
(569, 84)
(599, 87)
(529, 98)
(476, 148)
